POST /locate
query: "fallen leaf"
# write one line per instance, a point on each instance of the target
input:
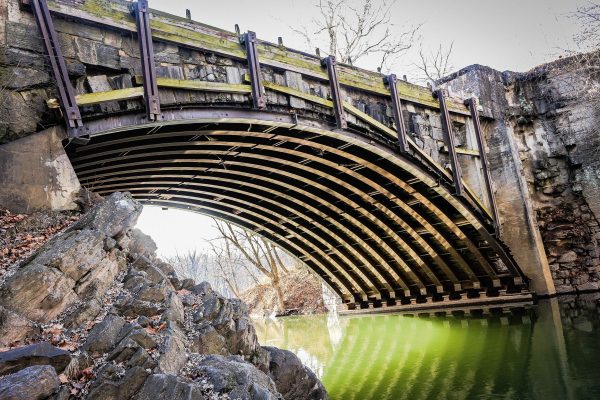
(87, 373)
(63, 378)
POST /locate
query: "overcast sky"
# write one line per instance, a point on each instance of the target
(506, 35)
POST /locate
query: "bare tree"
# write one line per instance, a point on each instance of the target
(190, 265)
(354, 30)
(261, 254)
(228, 262)
(588, 16)
(436, 64)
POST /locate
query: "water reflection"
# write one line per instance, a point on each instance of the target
(552, 352)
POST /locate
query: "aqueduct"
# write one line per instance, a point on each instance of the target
(333, 163)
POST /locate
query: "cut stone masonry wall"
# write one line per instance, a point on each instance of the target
(552, 115)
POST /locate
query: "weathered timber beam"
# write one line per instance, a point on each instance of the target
(137, 92)
(205, 86)
(87, 99)
(182, 31)
(460, 150)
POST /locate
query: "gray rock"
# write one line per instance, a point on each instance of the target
(153, 293)
(569, 256)
(114, 216)
(141, 337)
(162, 386)
(129, 306)
(42, 353)
(202, 288)
(209, 341)
(588, 286)
(86, 311)
(33, 383)
(175, 310)
(153, 273)
(110, 386)
(187, 283)
(131, 354)
(237, 378)
(38, 292)
(105, 335)
(15, 327)
(173, 353)
(292, 379)
(142, 244)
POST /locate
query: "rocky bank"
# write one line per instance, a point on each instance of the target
(95, 314)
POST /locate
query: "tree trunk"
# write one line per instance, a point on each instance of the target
(280, 299)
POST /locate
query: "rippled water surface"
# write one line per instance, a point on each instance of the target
(551, 352)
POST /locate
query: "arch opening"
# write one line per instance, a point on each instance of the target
(376, 226)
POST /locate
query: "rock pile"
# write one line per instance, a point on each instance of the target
(104, 318)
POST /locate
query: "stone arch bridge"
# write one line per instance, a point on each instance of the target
(380, 186)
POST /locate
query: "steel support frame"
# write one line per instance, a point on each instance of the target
(449, 139)
(151, 97)
(336, 94)
(398, 117)
(66, 94)
(471, 103)
(259, 100)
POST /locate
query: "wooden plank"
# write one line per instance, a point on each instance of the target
(462, 150)
(293, 92)
(87, 99)
(195, 84)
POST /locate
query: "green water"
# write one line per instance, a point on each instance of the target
(550, 352)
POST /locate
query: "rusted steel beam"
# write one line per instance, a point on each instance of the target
(449, 139)
(151, 97)
(66, 93)
(472, 105)
(259, 99)
(336, 94)
(398, 118)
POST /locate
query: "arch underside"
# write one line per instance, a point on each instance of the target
(376, 226)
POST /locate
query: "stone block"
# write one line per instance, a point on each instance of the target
(91, 52)
(17, 78)
(35, 173)
(33, 383)
(42, 353)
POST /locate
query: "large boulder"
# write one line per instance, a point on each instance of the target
(79, 264)
(15, 327)
(116, 215)
(34, 354)
(38, 292)
(33, 383)
(141, 244)
(238, 378)
(105, 335)
(163, 386)
(293, 380)
(173, 354)
(229, 318)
